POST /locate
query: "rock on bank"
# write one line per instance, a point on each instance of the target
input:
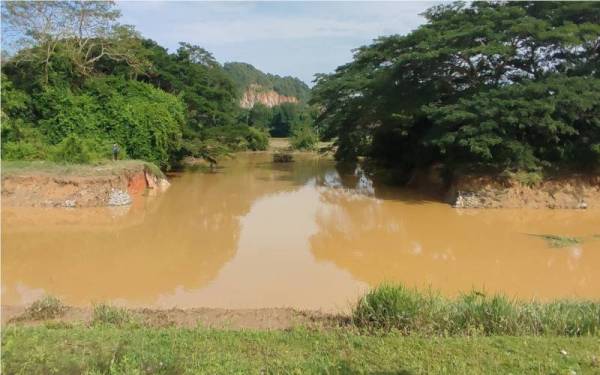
(43, 184)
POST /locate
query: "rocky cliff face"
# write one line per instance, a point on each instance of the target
(258, 94)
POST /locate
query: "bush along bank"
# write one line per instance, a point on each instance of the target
(392, 307)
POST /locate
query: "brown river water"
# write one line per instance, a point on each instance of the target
(304, 234)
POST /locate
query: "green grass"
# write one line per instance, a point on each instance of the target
(107, 314)
(557, 241)
(104, 167)
(48, 307)
(113, 350)
(394, 307)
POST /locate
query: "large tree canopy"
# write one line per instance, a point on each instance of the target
(485, 84)
(80, 79)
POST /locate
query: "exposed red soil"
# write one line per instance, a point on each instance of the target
(44, 189)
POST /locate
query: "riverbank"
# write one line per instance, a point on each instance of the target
(48, 184)
(49, 337)
(524, 190)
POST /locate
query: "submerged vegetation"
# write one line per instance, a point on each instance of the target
(559, 241)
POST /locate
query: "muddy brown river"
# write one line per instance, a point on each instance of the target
(304, 234)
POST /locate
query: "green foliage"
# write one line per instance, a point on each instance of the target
(557, 241)
(244, 75)
(104, 349)
(522, 126)
(72, 149)
(107, 314)
(48, 307)
(505, 85)
(304, 138)
(144, 121)
(101, 101)
(395, 307)
(23, 150)
(193, 74)
(525, 178)
(239, 138)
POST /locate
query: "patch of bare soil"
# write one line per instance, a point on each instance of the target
(259, 319)
(85, 186)
(570, 192)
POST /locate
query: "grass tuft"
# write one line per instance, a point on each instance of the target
(395, 307)
(557, 241)
(48, 307)
(107, 314)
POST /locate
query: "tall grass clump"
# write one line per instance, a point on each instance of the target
(409, 311)
(107, 314)
(48, 307)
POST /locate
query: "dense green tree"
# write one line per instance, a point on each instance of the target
(394, 101)
(260, 116)
(145, 121)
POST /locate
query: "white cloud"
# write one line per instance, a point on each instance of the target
(269, 26)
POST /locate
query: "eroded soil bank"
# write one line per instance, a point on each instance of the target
(565, 192)
(39, 184)
(263, 319)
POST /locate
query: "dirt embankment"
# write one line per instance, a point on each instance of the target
(115, 184)
(569, 192)
(263, 319)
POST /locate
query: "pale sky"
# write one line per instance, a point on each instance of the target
(285, 38)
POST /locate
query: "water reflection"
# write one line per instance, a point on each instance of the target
(303, 234)
(433, 245)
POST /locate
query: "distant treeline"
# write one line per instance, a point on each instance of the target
(486, 86)
(80, 81)
(243, 75)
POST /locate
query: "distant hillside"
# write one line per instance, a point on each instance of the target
(246, 76)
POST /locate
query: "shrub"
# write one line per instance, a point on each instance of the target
(24, 150)
(145, 121)
(238, 138)
(389, 306)
(394, 307)
(304, 138)
(257, 139)
(48, 307)
(107, 314)
(72, 149)
(477, 313)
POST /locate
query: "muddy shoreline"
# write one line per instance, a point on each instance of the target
(565, 192)
(218, 318)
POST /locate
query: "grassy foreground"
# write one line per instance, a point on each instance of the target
(103, 349)
(392, 330)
